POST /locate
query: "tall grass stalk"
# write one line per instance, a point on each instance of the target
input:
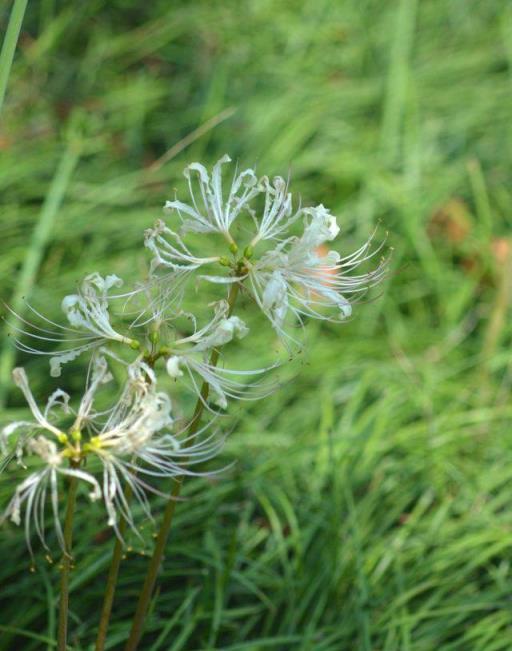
(9, 45)
(34, 256)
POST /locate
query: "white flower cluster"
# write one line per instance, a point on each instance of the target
(271, 252)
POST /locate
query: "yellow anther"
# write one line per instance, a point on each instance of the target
(134, 344)
(62, 438)
(93, 445)
(225, 262)
(233, 247)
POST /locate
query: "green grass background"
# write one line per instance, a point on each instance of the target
(370, 505)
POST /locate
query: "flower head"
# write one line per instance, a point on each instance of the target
(136, 444)
(277, 216)
(88, 314)
(88, 310)
(191, 354)
(133, 442)
(299, 276)
(41, 486)
(215, 212)
(302, 277)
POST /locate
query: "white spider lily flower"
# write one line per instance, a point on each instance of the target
(32, 493)
(194, 360)
(89, 310)
(219, 331)
(58, 398)
(54, 452)
(130, 429)
(217, 212)
(299, 277)
(191, 353)
(132, 441)
(277, 214)
(135, 445)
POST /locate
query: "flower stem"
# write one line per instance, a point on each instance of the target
(66, 566)
(163, 533)
(113, 573)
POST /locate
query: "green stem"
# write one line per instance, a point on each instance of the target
(66, 566)
(113, 573)
(115, 564)
(163, 533)
(9, 44)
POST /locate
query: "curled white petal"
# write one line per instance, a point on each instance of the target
(21, 381)
(275, 298)
(89, 308)
(169, 250)
(227, 330)
(321, 228)
(173, 366)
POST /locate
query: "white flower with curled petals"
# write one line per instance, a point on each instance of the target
(301, 277)
(88, 310)
(136, 444)
(212, 210)
(133, 442)
(33, 492)
(43, 419)
(278, 215)
(216, 210)
(191, 356)
(88, 314)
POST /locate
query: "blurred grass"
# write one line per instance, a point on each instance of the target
(369, 508)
